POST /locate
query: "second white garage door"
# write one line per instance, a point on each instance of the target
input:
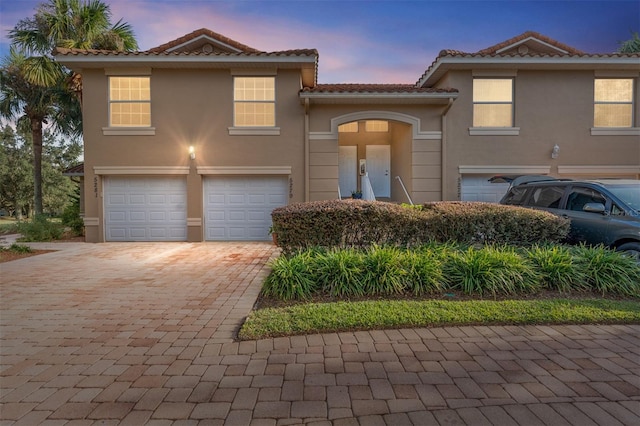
(478, 188)
(239, 208)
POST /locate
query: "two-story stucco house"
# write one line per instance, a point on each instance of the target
(200, 138)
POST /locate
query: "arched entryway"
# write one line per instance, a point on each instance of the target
(386, 145)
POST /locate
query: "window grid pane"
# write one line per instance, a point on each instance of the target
(376, 126)
(254, 101)
(614, 90)
(129, 102)
(348, 127)
(613, 102)
(492, 115)
(492, 90)
(493, 102)
(612, 115)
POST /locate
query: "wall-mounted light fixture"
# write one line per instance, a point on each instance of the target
(192, 152)
(555, 151)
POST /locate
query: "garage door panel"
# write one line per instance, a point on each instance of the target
(145, 209)
(236, 215)
(137, 216)
(116, 199)
(246, 204)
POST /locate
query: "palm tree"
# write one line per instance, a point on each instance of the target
(630, 46)
(73, 24)
(34, 106)
(37, 88)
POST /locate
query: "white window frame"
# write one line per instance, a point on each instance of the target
(631, 103)
(495, 131)
(255, 130)
(120, 129)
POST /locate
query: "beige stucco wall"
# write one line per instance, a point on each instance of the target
(189, 107)
(551, 107)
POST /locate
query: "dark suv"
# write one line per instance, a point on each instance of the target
(601, 211)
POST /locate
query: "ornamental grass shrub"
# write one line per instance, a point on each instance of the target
(357, 223)
(489, 270)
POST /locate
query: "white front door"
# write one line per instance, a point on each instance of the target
(348, 170)
(379, 169)
(239, 208)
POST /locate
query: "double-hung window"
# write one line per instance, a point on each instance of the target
(129, 102)
(254, 101)
(493, 102)
(613, 102)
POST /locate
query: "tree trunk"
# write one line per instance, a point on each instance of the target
(36, 134)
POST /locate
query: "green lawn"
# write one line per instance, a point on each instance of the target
(342, 316)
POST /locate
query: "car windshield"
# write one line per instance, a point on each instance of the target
(630, 194)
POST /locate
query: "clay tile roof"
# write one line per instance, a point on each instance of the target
(494, 49)
(374, 88)
(89, 52)
(206, 32)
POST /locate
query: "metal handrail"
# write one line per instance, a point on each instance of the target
(405, 189)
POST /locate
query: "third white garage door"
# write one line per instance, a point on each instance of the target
(239, 208)
(478, 188)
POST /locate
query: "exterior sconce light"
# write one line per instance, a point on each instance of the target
(555, 151)
(192, 152)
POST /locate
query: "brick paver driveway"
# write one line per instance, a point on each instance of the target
(143, 333)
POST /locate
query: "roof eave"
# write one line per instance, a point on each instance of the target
(379, 98)
(444, 64)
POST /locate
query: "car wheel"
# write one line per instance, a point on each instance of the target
(631, 249)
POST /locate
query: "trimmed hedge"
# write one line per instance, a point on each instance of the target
(348, 223)
(488, 223)
(357, 223)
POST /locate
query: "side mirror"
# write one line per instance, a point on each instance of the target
(593, 208)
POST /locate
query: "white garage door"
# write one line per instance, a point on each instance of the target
(239, 208)
(145, 208)
(478, 188)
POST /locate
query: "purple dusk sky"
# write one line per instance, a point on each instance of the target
(368, 41)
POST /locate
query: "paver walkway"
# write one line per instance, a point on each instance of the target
(143, 334)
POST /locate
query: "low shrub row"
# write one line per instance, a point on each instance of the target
(436, 268)
(357, 223)
(40, 229)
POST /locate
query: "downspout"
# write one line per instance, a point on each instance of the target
(443, 150)
(306, 149)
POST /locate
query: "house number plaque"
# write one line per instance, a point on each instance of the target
(95, 186)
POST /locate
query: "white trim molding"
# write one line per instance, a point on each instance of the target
(91, 221)
(494, 131)
(141, 170)
(194, 221)
(504, 169)
(615, 131)
(417, 134)
(254, 131)
(599, 170)
(244, 170)
(129, 131)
